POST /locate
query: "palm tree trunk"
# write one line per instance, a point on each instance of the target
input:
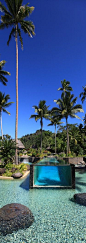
(55, 138)
(41, 134)
(69, 144)
(67, 138)
(1, 123)
(16, 126)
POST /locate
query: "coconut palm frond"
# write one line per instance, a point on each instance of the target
(42, 112)
(3, 104)
(16, 13)
(65, 86)
(3, 8)
(67, 107)
(2, 63)
(60, 89)
(25, 11)
(83, 94)
(28, 27)
(3, 72)
(50, 124)
(4, 110)
(12, 33)
(11, 6)
(74, 116)
(8, 104)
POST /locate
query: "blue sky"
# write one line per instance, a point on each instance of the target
(57, 52)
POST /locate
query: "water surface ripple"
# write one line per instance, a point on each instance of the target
(57, 218)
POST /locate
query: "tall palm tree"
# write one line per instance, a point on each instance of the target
(84, 119)
(42, 112)
(55, 120)
(83, 94)
(15, 15)
(3, 105)
(68, 108)
(65, 86)
(3, 79)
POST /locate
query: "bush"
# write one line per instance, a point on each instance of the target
(49, 153)
(7, 150)
(9, 169)
(33, 154)
(8, 173)
(22, 167)
(9, 166)
(61, 155)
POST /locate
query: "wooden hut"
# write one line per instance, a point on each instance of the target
(20, 145)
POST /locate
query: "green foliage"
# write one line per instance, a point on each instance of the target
(41, 112)
(76, 133)
(3, 107)
(62, 161)
(22, 167)
(65, 86)
(33, 154)
(62, 155)
(33, 140)
(7, 150)
(67, 106)
(3, 73)
(10, 169)
(8, 173)
(83, 94)
(17, 15)
(9, 166)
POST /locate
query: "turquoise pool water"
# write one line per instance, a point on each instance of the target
(57, 218)
(52, 175)
(50, 160)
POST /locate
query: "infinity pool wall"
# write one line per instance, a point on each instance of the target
(52, 176)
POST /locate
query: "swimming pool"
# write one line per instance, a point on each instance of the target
(57, 218)
(49, 172)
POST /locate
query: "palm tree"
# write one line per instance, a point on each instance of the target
(3, 105)
(55, 120)
(42, 112)
(68, 108)
(15, 16)
(3, 79)
(65, 86)
(7, 150)
(84, 119)
(83, 94)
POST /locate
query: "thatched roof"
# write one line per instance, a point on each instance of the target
(25, 156)
(48, 148)
(20, 144)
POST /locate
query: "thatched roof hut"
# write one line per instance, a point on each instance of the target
(25, 156)
(19, 144)
(48, 148)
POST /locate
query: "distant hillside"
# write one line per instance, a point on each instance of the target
(33, 140)
(77, 140)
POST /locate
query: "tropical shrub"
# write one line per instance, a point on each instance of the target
(9, 166)
(7, 150)
(8, 173)
(10, 169)
(22, 167)
(33, 154)
(62, 155)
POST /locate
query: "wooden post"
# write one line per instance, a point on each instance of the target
(31, 176)
(73, 175)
